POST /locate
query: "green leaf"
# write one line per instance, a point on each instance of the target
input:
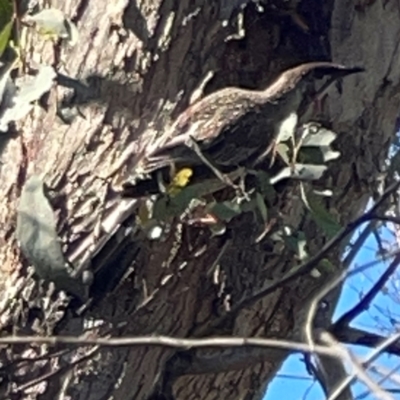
(305, 172)
(287, 128)
(17, 98)
(284, 152)
(326, 266)
(166, 207)
(52, 22)
(6, 12)
(262, 206)
(225, 210)
(34, 87)
(5, 37)
(264, 185)
(317, 155)
(316, 144)
(326, 221)
(297, 243)
(217, 229)
(318, 136)
(6, 24)
(328, 154)
(160, 209)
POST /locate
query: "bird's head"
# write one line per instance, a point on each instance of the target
(298, 83)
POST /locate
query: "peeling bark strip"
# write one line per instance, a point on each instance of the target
(138, 63)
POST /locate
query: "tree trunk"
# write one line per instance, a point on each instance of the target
(142, 61)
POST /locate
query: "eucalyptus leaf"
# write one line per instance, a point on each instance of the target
(264, 185)
(310, 155)
(13, 114)
(326, 266)
(17, 99)
(5, 35)
(324, 192)
(306, 172)
(315, 146)
(6, 10)
(328, 154)
(33, 88)
(284, 152)
(297, 243)
(248, 205)
(6, 13)
(162, 210)
(7, 86)
(319, 137)
(208, 186)
(9, 110)
(36, 232)
(262, 206)
(287, 128)
(167, 207)
(217, 229)
(225, 210)
(317, 155)
(179, 203)
(325, 220)
(52, 22)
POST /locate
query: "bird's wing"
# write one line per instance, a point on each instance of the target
(205, 122)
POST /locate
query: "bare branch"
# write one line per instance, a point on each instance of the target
(166, 341)
(358, 370)
(368, 360)
(357, 336)
(308, 265)
(346, 318)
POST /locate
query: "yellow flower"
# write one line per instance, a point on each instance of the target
(179, 181)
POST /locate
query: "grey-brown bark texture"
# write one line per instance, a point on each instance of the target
(143, 60)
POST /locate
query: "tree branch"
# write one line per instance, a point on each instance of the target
(346, 318)
(305, 267)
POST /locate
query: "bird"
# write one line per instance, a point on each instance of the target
(229, 128)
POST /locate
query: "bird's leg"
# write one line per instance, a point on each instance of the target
(222, 177)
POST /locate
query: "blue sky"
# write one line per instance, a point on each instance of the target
(293, 372)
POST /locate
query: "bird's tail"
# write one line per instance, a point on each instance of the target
(140, 189)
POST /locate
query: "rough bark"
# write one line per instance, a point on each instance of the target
(142, 61)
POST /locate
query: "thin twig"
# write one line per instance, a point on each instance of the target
(357, 367)
(304, 268)
(387, 375)
(368, 360)
(52, 374)
(346, 318)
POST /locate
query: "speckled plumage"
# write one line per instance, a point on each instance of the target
(232, 126)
